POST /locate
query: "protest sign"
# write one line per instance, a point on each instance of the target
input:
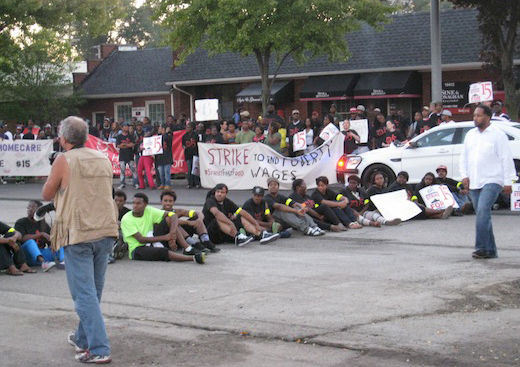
(206, 109)
(152, 145)
(515, 197)
(438, 197)
(480, 92)
(328, 132)
(242, 166)
(139, 113)
(361, 127)
(25, 157)
(299, 141)
(179, 163)
(395, 204)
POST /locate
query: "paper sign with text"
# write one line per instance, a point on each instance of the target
(515, 197)
(395, 204)
(361, 127)
(206, 109)
(480, 92)
(299, 141)
(152, 145)
(438, 197)
(328, 132)
(242, 166)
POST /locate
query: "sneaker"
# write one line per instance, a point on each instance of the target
(200, 258)
(199, 247)
(86, 357)
(496, 206)
(481, 254)
(242, 239)
(71, 339)
(286, 233)
(121, 187)
(393, 222)
(309, 231)
(111, 259)
(47, 265)
(193, 251)
(120, 249)
(267, 237)
(136, 186)
(60, 265)
(447, 212)
(210, 246)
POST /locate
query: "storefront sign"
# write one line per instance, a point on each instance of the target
(243, 166)
(377, 92)
(455, 97)
(25, 157)
(322, 95)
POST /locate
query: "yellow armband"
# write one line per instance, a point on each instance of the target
(267, 211)
(414, 198)
(316, 205)
(338, 197)
(238, 211)
(459, 185)
(366, 201)
(11, 230)
(288, 202)
(171, 214)
(191, 213)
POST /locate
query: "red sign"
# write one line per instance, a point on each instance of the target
(110, 151)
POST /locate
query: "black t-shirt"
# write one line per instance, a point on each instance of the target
(425, 125)
(356, 199)
(125, 154)
(258, 211)
(307, 200)
(28, 226)
(278, 199)
(390, 137)
(268, 118)
(396, 187)
(227, 207)
(435, 118)
(377, 132)
(122, 212)
(92, 130)
(105, 133)
(293, 129)
(139, 136)
(349, 144)
(166, 156)
(450, 182)
(214, 139)
(4, 229)
(28, 136)
(328, 195)
(189, 142)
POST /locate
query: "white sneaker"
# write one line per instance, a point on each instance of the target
(48, 265)
(121, 187)
(241, 239)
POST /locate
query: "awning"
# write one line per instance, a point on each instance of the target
(328, 87)
(253, 92)
(397, 84)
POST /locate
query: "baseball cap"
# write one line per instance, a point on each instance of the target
(377, 109)
(446, 113)
(361, 108)
(257, 190)
(426, 108)
(244, 114)
(442, 167)
(353, 110)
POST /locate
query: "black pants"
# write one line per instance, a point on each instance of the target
(345, 215)
(215, 233)
(330, 217)
(149, 253)
(8, 256)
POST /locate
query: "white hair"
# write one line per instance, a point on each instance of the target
(74, 130)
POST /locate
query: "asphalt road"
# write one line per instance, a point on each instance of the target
(408, 295)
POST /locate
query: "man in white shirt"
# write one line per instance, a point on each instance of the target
(486, 163)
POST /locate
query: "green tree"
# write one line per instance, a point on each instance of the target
(139, 28)
(499, 24)
(272, 30)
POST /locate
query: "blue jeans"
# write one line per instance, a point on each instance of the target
(460, 199)
(165, 174)
(483, 200)
(133, 168)
(86, 264)
(32, 251)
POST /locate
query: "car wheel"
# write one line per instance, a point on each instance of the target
(371, 170)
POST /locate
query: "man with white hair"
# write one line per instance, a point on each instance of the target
(446, 117)
(80, 183)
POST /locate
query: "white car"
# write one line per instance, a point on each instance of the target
(424, 153)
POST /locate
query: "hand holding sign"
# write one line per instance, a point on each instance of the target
(152, 145)
(480, 92)
(299, 141)
(328, 132)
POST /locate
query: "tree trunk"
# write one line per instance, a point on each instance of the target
(262, 59)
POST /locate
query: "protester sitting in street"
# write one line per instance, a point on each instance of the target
(259, 210)
(137, 227)
(322, 214)
(12, 257)
(224, 220)
(356, 197)
(36, 240)
(457, 189)
(371, 213)
(191, 222)
(428, 180)
(120, 247)
(323, 196)
(288, 212)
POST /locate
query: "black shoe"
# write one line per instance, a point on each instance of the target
(210, 246)
(200, 258)
(192, 252)
(200, 247)
(481, 254)
(111, 259)
(457, 213)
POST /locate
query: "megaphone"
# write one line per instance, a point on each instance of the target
(39, 214)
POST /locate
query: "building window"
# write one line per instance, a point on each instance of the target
(155, 112)
(123, 111)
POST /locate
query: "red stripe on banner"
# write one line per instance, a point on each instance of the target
(179, 163)
(389, 96)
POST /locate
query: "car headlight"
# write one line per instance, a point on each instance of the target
(353, 162)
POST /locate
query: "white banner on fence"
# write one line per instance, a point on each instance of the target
(152, 145)
(395, 205)
(25, 157)
(361, 127)
(438, 197)
(515, 197)
(243, 166)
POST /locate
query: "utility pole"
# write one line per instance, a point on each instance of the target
(435, 35)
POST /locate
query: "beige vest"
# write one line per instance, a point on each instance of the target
(85, 210)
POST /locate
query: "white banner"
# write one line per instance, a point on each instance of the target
(480, 92)
(361, 127)
(438, 197)
(395, 204)
(515, 197)
(243, 166)
(328, 131)
(25, 157)
(206, 109)
(152, 145)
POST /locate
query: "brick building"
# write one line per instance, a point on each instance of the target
(387, 68)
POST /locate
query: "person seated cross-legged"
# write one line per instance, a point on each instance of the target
(137, 227)
(12, 257)
(259, 210)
